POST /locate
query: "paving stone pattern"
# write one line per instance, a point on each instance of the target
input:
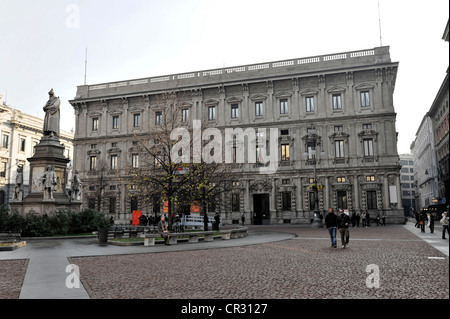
(303, 267)
(12, 273)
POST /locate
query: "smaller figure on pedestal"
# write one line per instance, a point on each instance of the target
(76, 187)
(18, 189)
(49, 181)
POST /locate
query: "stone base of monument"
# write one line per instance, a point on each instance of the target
(48, 153)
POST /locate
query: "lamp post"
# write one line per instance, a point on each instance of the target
(313, 140)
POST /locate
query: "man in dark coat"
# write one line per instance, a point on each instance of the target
(342, 223)
(330, 224)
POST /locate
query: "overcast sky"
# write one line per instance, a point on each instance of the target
(43, 43)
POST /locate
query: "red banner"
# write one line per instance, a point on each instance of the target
(136, 215)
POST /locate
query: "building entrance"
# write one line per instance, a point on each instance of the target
(261, 215)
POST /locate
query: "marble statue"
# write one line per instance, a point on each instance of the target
(52, 115)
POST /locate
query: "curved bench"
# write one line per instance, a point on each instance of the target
(234, 233)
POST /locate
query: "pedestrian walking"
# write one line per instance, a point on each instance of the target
(367, 219)
(422, 220)
(431, 223)
(342, 223)
(163, 230)
(363, 219)
(205, 222)
(358, 218)
(417, 215)
(444, 222)
(353, 219)
(383, 220)
(331, 224)
(243, 219)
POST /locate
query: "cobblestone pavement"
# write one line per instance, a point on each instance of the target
(12, 273)
(305, 267)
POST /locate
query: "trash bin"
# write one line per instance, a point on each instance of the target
(103, 236)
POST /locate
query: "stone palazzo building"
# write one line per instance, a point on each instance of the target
(340, 104)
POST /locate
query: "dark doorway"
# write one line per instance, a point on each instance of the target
(261, 214)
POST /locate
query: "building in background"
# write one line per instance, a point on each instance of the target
(345, 98)
(431, 150)
(407, 183)
(439, 116)
(425, 170)
(19, 133)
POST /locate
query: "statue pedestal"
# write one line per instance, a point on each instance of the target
(49, 152)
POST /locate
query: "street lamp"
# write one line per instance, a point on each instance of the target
(311, 143)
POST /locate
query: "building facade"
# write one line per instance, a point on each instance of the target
(346, 99)
(440, 116)
(408, 184)
(20, 133)
(425, 169)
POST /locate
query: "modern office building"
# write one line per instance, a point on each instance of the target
(341, 104)
(20, 132)
(407, 182)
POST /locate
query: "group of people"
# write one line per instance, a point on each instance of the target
(340, 222)
(423, 218)
(365, 219)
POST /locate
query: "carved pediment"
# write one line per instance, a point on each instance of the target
(336, 89)
(234, 100)
(283, 94)
(309, 92)
(260, 186)
(211, 102)
(258, 97)
(364, 86)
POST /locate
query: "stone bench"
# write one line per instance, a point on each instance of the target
(149, 239)
(234, 233)
(10, 237)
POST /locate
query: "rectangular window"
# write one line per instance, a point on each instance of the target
(259, 155)
(95, 124)
(158, 118)
(235, 203)
(367, 126)
(259, 109)
(22, 144)
(135, 160)
(285, 152)
(3, 166)
(5, 141)
(234, 111)
(310, 104)
(339, 149)
(371, 199)
(286, 201)
(365, 99)
(112, 205)
(338, 128)
(184, 115)
(211, 113)
(91, 203)
(136, 120)
(337, 104)
(92, 163)
(115, 122)
(113, 161)
(368, 147)
(284, 106)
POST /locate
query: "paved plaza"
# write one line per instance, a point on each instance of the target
(273, 262)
